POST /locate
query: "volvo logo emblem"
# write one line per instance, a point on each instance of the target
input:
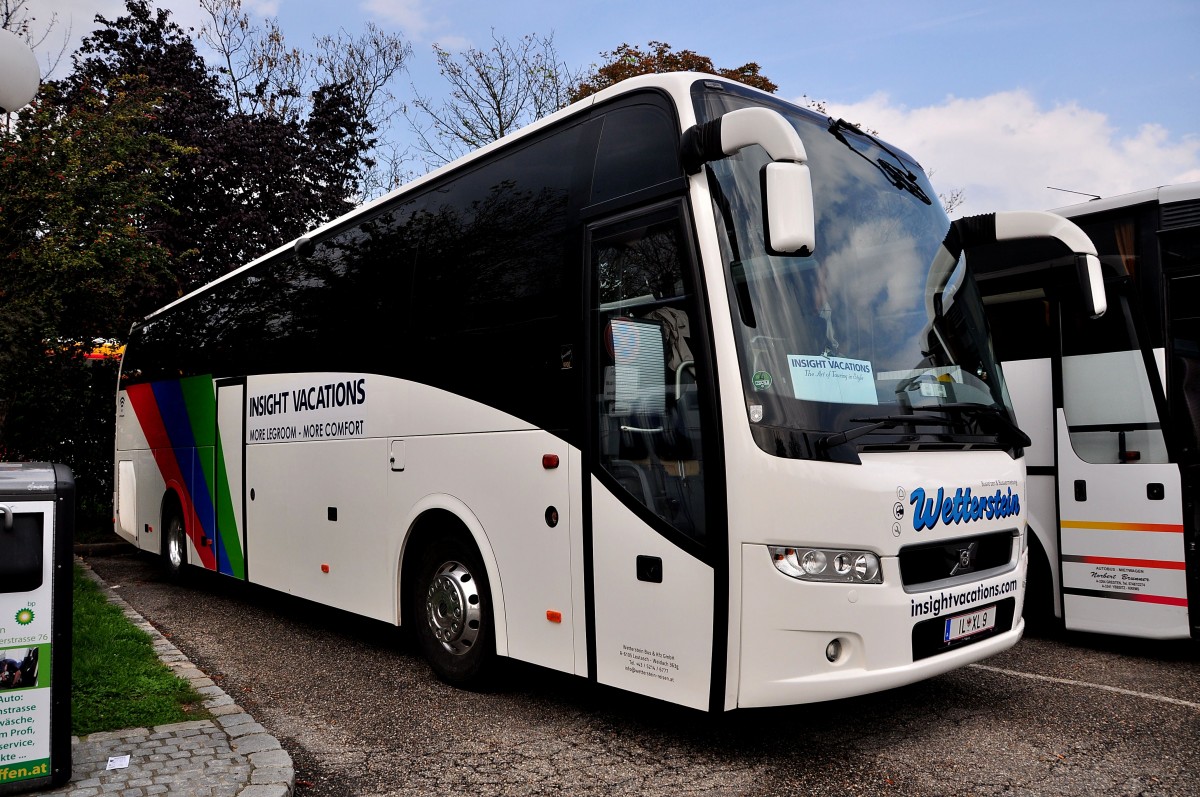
(966, 559)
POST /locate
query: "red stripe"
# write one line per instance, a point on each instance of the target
(1161, 599)
(1111, 560)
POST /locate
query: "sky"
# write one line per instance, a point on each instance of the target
(997, 100)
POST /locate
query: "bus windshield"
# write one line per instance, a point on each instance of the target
(861, 332)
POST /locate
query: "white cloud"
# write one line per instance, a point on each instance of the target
(1003, 150)
(261, 8)
(410, 16)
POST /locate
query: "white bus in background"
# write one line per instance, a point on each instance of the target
(1113, 407)
(682, 390)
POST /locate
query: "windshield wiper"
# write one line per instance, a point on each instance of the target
(873, 424)
(900, 176)
(995, 413)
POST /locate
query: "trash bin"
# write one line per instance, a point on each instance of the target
(37, 522)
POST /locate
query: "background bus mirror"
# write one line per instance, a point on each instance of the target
(790, 221)
(1091, 283)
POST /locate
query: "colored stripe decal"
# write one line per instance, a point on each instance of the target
(1125, 596)
(1101, 525)
(1112, 560)
(179, 421)
(147, 403)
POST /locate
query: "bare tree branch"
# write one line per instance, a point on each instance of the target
(492, 93)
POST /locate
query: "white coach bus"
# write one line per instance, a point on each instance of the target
(1113, 407)
(682, 389)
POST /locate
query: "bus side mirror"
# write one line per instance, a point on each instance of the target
(1014, 225)
(1091, 284)
(787, 196)
(790, 221)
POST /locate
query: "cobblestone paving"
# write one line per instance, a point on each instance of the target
(230, 755)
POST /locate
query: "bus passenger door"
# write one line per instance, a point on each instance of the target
(229, 473)
(1119, 495)
(650, 582)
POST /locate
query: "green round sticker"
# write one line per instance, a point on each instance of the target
(762, 380)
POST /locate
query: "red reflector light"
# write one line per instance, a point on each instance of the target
(553, 616)
(549, 461)
(324, 568)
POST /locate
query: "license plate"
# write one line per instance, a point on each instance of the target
(969, 624)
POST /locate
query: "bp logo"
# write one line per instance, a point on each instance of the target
(24, 617)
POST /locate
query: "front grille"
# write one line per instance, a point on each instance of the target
(953, 559)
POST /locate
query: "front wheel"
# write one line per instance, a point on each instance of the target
(453, 613)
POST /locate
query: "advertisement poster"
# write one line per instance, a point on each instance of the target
(25, 625)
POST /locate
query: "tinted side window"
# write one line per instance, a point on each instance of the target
(494, 282)
(639, 148)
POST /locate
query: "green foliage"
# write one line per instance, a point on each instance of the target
(117, 680)
(78, 180)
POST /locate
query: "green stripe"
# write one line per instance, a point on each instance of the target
(227, 518)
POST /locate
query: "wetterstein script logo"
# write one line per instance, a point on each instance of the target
(962, 507)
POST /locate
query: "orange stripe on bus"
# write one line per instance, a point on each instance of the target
(1103, 525)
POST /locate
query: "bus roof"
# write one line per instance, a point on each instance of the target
(1163, 194)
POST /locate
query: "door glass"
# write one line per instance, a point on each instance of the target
(1110, 408)
(648, 396)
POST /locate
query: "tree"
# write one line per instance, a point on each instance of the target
(365, 67)
(253, 178)
(78, 180)
(15, 18)
(628, 61)
(125, 184)
(260, 74)
(493, 92)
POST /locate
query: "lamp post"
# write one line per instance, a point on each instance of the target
(19, 76)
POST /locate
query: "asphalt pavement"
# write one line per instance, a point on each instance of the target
(361, 714)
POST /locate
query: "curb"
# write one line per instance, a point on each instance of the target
(271, 772)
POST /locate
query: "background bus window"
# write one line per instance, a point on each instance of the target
(1110, 408)
(648, 397)
(1184, 351)
(1020, 325)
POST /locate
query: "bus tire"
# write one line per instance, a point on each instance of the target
(452, 612)
(174, 544)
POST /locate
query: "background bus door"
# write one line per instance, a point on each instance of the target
(1119, 495)
(650, 582)
(1183, 397)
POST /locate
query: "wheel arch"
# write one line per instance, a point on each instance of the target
(1041, 567)
(438, 515)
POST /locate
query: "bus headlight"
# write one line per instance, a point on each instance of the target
(824, 564)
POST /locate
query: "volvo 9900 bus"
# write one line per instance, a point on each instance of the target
(683, 389)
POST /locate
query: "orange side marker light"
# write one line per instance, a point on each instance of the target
(553, 616)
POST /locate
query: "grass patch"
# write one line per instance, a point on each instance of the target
(117, 680)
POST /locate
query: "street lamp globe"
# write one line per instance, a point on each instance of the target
(19, 76)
